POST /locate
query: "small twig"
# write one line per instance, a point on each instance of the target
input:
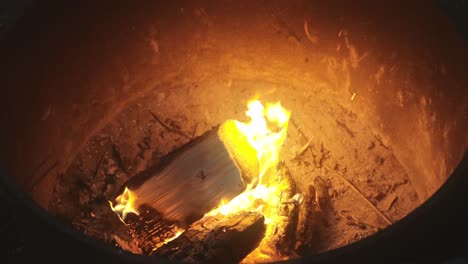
(98, 167)
(117, 157)
(377, 137)
(346, 180)
(303, 148)
(345, 127)
(306, 139)
(357, 220)
(297, 127)
(168, 128)
(42, 163)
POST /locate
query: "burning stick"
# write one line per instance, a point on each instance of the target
(216, 239)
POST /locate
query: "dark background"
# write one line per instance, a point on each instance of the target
(19, 245)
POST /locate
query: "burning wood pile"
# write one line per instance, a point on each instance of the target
(255, 190)
(224, 194)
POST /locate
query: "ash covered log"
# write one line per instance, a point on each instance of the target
(310, 216)
(304, 232)
(280, 236)
(192, 180)
(216, 239)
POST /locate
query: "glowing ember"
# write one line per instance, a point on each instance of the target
(266, 133)
(125, 203)
(178, 233)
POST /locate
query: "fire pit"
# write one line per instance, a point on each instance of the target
(238, 132)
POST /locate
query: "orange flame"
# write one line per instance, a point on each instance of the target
(124, 204)
(266, 133)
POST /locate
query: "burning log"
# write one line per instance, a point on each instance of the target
(216, 239)
(192, 180)
(150, 230)
(197, 179)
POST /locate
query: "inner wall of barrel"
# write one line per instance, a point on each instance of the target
(405, 75)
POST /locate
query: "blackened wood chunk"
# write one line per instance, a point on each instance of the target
(216, 239)
(150, 229)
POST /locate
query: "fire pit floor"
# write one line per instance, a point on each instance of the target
(365, 189)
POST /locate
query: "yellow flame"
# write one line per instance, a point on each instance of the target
(177, 234)
(124, 204)
(266, 133)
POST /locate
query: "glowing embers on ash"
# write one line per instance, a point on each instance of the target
(254, 147)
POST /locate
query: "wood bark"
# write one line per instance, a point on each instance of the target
(216, 239)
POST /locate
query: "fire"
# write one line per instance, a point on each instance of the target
(125, 204)
(266, 133)
(263, 137)
(177, 234)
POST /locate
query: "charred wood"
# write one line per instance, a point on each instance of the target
(150, 229)
(216, 239)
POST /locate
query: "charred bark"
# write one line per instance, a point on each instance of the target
(149, 229)
(216, 239)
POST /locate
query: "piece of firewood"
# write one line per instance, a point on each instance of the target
(304, 231)
(216, 239)
(311, 213)
(193, 180)
(149, 229)
(280, 236)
